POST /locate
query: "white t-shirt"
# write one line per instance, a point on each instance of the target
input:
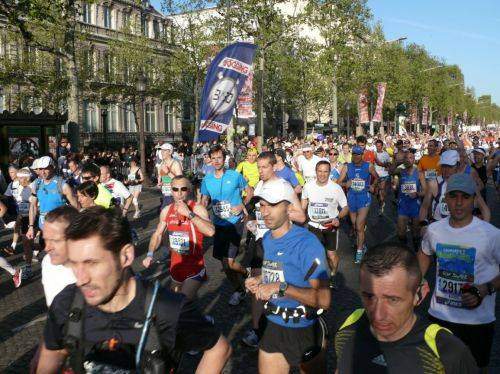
(117, 189)
(261, 226)
(382, 157)
(323, 201)
(471, 255)
(308, 167)
(55, 278)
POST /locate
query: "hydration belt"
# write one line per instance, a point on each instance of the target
(295, 314)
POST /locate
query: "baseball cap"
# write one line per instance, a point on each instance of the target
(357, 150)
(479, 150)
(167, 147)
(44, 162)
(461, 182)
(275, 191)
(307, 147)
(35, 166)
(449, 157)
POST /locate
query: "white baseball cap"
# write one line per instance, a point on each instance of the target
(307, 147)
(35, 166)
(449, 157)
(167, 147)
(275, 191)
(44, 162)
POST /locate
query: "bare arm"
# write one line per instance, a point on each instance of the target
(424, 261)
(249, 194)
(68, 192)
(202, 221)
(155, 240)
(426, 203)
(205, 200)
(176, 168)
(318, 296)
(50, 362)
(3, 209)
(483, 207)
(304, 203)
(32, 216)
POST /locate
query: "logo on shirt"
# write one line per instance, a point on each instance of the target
(379, 360)
(280, 253)
(138, 325)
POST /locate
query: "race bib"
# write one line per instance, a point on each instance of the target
(358, 184)
(443, 209)
(260, 221)
(272, 272)
(455, 267)
(319, 211)
(430, 174)
(166, 189)
(222, 209)
(409, 188)
(179, 242)
(41, 220)
(309, 179)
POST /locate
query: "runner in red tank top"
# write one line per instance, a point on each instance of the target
(186, 223)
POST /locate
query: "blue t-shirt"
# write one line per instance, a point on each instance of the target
(288, 259)
(287, 174)
(224, 192)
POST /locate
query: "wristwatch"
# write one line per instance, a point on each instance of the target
(491, 288)
(191, 215)
(282, 289)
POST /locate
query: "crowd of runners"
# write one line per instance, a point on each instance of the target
(274, 216)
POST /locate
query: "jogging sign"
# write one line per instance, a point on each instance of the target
(225, 78)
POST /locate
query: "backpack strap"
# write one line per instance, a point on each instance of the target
(74, 334)
(353, 318)
(430, 336)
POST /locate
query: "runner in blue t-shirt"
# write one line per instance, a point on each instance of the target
(223, 188)
(294, 284)
(283, 171)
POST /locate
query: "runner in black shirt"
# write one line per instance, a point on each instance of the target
(387, 336)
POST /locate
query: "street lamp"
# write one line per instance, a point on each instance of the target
(141, 86)
(104, 115)
(348, 109)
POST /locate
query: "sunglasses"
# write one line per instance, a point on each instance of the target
(177, 189)
(334, 154)
(87, 178)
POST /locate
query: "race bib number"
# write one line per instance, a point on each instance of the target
(166, 189)
(222, 209)
(319, 211)
(260, 221)
(272, 272)
(409, 188)
(358, 184)
(41, 220)
(179, 242)
(310, 178)
(430, 174)
(455, 268)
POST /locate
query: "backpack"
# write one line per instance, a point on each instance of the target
(59, 181)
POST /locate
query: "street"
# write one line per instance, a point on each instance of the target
(22, 311)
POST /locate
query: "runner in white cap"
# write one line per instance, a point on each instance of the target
(167, 169)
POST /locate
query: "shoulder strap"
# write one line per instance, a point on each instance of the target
(74, 339)
(353, 318)
(430, 336)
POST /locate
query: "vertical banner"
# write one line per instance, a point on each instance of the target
(449, 120)
(245, 99)
(425, 111)
(413, 114)
(364, 117)
(225, 78)
(381, 87)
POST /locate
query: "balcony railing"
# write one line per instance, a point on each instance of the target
(116, 140)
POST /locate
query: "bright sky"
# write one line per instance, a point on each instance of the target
(462, 32)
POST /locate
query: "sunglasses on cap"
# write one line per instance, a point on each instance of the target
(177, 189)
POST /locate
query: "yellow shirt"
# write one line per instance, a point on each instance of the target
(343, 159)
(103, 197)
(249, 171)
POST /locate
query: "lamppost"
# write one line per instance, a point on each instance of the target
(348, 110)
(141, 91)
(104, 116)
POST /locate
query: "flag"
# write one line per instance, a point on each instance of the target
(377, 117)
(245, 99)
(425, 111)
(225, 78)
(364, 117)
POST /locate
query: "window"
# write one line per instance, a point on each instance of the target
(87, 13)
(169, 113)
(129, 118)
(126, 20)
(90, 117)
(144, 25)
(2, 103)
(113, 123)
(107, 16)
(150, 120)
(156, 29)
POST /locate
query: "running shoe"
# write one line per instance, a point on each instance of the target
(236, 298)
(137, 214)
(18, 277)
(251, 339)
(332, 284)
(27, 273)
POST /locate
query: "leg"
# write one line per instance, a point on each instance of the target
(360, 226)
(316, 366)
(333, 261)
(4, 264)
(401, 225)
(272, 363)
(190, 288)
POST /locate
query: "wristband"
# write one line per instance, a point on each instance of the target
(491, 288)
(150, 254)
(191, 215)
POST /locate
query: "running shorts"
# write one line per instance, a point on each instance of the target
(409, 207)
(329, 238)
(358, 200)
(227, 240)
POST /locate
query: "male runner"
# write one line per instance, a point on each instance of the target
(382, 162)
(92, 172)
(186, 223)
(467, 252)
(282, 170)
(294, 271)
(97, 324)
(387, 336)
(167, 169)
(428, 165)
(121, 195)
(307, 162)
(224, 188)
(358, 174)
(322, 198)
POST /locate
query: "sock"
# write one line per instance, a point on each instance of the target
(13, 245)
(4, 264)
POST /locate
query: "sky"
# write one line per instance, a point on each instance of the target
(462, 32)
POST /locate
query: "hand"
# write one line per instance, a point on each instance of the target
(68, 146)
(147, 261)
(252, 284)
(335, 222)
(236, 210)
(372, 189)
(266, 291)
(124, 212)
(182, 208)
(31, 233)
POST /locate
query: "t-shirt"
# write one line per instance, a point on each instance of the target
(369, 156)
(288, 259)
(382, 157)
(178, 322)
(55, 278)
(344, 159)
(359, 352)
(429, 165)
(117, 189)
(21, 196)
(250, 172)
(323, 201)
(467, 255)
(103, 196)
(287, 174)
(308, 166)
(224, 192)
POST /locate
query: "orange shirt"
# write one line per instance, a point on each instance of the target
(369, 156)
(430, 166)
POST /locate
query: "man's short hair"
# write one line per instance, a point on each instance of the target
(108, 224)
(182, 177)
(383, 258)
(65, 213)
(92, 169)
(378, 141)
(216, 149)
(361, 139)
(268, 155)
(89, 189)
(323, 162)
